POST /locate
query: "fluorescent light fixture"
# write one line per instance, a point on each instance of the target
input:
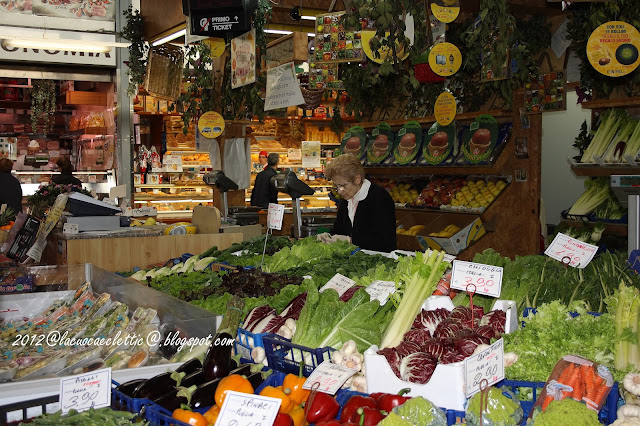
(172, 36)
(61, 44)
(277, 32)
(308, 18)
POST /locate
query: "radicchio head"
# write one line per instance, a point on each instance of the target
(496, 319)
(418, 367)
(406, 348)
(447, 329)
(451, 357)
(429, 320)
(393, 358)
(417, 336)
(466, 345)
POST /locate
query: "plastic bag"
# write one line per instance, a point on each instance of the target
(421, 411)
(237, 161)
(503, 409)
(214, 155)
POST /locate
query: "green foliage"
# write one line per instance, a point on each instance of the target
(43, 103)
(584, 19)
(133, 31)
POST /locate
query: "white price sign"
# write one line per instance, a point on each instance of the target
(85, 391)
(339, 283)
(244, 409)
(381, 290)
(275, 214)
(70, 228)
(570, 251)
(486, 365)
(477, 278)
(294, 154)
(328, 377)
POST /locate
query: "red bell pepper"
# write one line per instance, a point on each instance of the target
(283, 419)
(336, 423)
(388, 401)
(366, 416)
(353, 404)
(323, 408)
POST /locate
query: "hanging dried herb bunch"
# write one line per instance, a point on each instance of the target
(43, 104)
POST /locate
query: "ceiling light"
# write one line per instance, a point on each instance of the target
(284, 32)
(61, 44)
(172, 36)
(308, 18)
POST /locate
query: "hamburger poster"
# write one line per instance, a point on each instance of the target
(380, 145)
(354, 142)
(479, 139)
(408, 143)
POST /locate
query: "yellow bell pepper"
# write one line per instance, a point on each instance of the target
(286, 405)
(297, 414)
(294, 384)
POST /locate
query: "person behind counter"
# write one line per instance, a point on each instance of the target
(263, 192)
(66, 176)
(262, 157)
(369, 215)
(10, 189)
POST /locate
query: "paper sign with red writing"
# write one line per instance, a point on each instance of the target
(570, 251)
(275, 214)
(328, 377)
(381, 290)
(339, 283)
(245, 409)
(85, 391)
(477, 277)
(485, 365)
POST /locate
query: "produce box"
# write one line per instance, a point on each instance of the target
(282, 355)
(446, 386)
(471, 230)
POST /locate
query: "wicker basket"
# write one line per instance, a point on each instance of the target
(312, 98)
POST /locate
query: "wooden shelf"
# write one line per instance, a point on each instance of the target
(85, 131)
(77, 97)
(431, 170)
(15, 105)
(611, 103)
(432, 119)
(620, 229)
(605, 170)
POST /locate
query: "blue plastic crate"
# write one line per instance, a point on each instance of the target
(158, 416)
(245, 342)
(607, 415)
(120, 401)
(531, 311)
(281, 355)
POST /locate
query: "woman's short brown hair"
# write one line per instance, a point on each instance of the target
(347, 166)
(5, 165)
(65, 165)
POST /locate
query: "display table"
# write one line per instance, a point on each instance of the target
(122, 251)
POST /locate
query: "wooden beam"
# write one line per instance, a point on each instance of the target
(160, 16)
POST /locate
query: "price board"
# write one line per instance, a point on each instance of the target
(339, 283)
(85, 391)
(328, 377)
(486, 365)
(570, 251)
(483, 279)
(244, 409)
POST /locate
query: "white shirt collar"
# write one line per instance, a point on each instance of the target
(352, 203)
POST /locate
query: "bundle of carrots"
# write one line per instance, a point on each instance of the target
(583, 383)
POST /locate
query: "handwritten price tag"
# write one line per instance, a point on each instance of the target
(275, 213)
(381, 290)
(487, 279)
(570, 251)
(486, 365)
(328, 377)
(243, 409)
(70, 228)
(86, 390)
(339, 283)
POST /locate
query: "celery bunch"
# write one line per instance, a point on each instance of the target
(610, 123)
(627, 309)
(597, 193)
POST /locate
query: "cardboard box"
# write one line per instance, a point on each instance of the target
(471, 231)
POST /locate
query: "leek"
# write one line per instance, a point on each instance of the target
(421, 285)
(609, 125)
(626, 320)
(597, 193)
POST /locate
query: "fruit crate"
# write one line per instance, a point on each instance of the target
(245, 342)
(284, 356)
(120, 401)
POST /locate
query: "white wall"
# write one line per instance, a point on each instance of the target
(560, 187)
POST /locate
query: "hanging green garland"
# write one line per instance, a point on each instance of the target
(43, 104)
(137, 63)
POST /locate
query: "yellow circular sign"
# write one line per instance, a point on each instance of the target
(613, 49)
(446, 10)
(384, 51)
(211, 124)
(216, 45)
(445, 59)
(445, 108)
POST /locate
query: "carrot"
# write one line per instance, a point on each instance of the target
(591, 393)
(566, 374)
(577, 386)
(546, 402)
(588, 377)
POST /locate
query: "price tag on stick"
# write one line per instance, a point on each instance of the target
(381, 290)
(244, 409)
(328, 377)
(570, 251)
(487, 365)
(275, 214)
(487, 279)
(85, 391)
(339, 283)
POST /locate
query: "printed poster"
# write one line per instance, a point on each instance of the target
(613, 47)
(334, 43)
(282, 88)
(243, 59)
(96, 10)
(310, 154)
(16, 6)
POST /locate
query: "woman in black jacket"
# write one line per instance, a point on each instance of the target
(368, 216)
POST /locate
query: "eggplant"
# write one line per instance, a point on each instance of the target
(217, 361)
(170, 400)
(129, 387)
(195, 378)
(204, 395)
(255, 379)
(155, 387)
(243, 370)
(190, 366)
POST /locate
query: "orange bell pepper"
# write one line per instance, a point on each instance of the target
(297, 414)
(212, 415)
(294, 384)
(286, 405)
(233, 382)
(189, 417)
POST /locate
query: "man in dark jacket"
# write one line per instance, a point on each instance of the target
(263, 192)
(10, 189)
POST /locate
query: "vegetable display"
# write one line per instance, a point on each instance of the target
(502, 408)
(617, 136)
(566, 412)
(90, 417)
(597, 193)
